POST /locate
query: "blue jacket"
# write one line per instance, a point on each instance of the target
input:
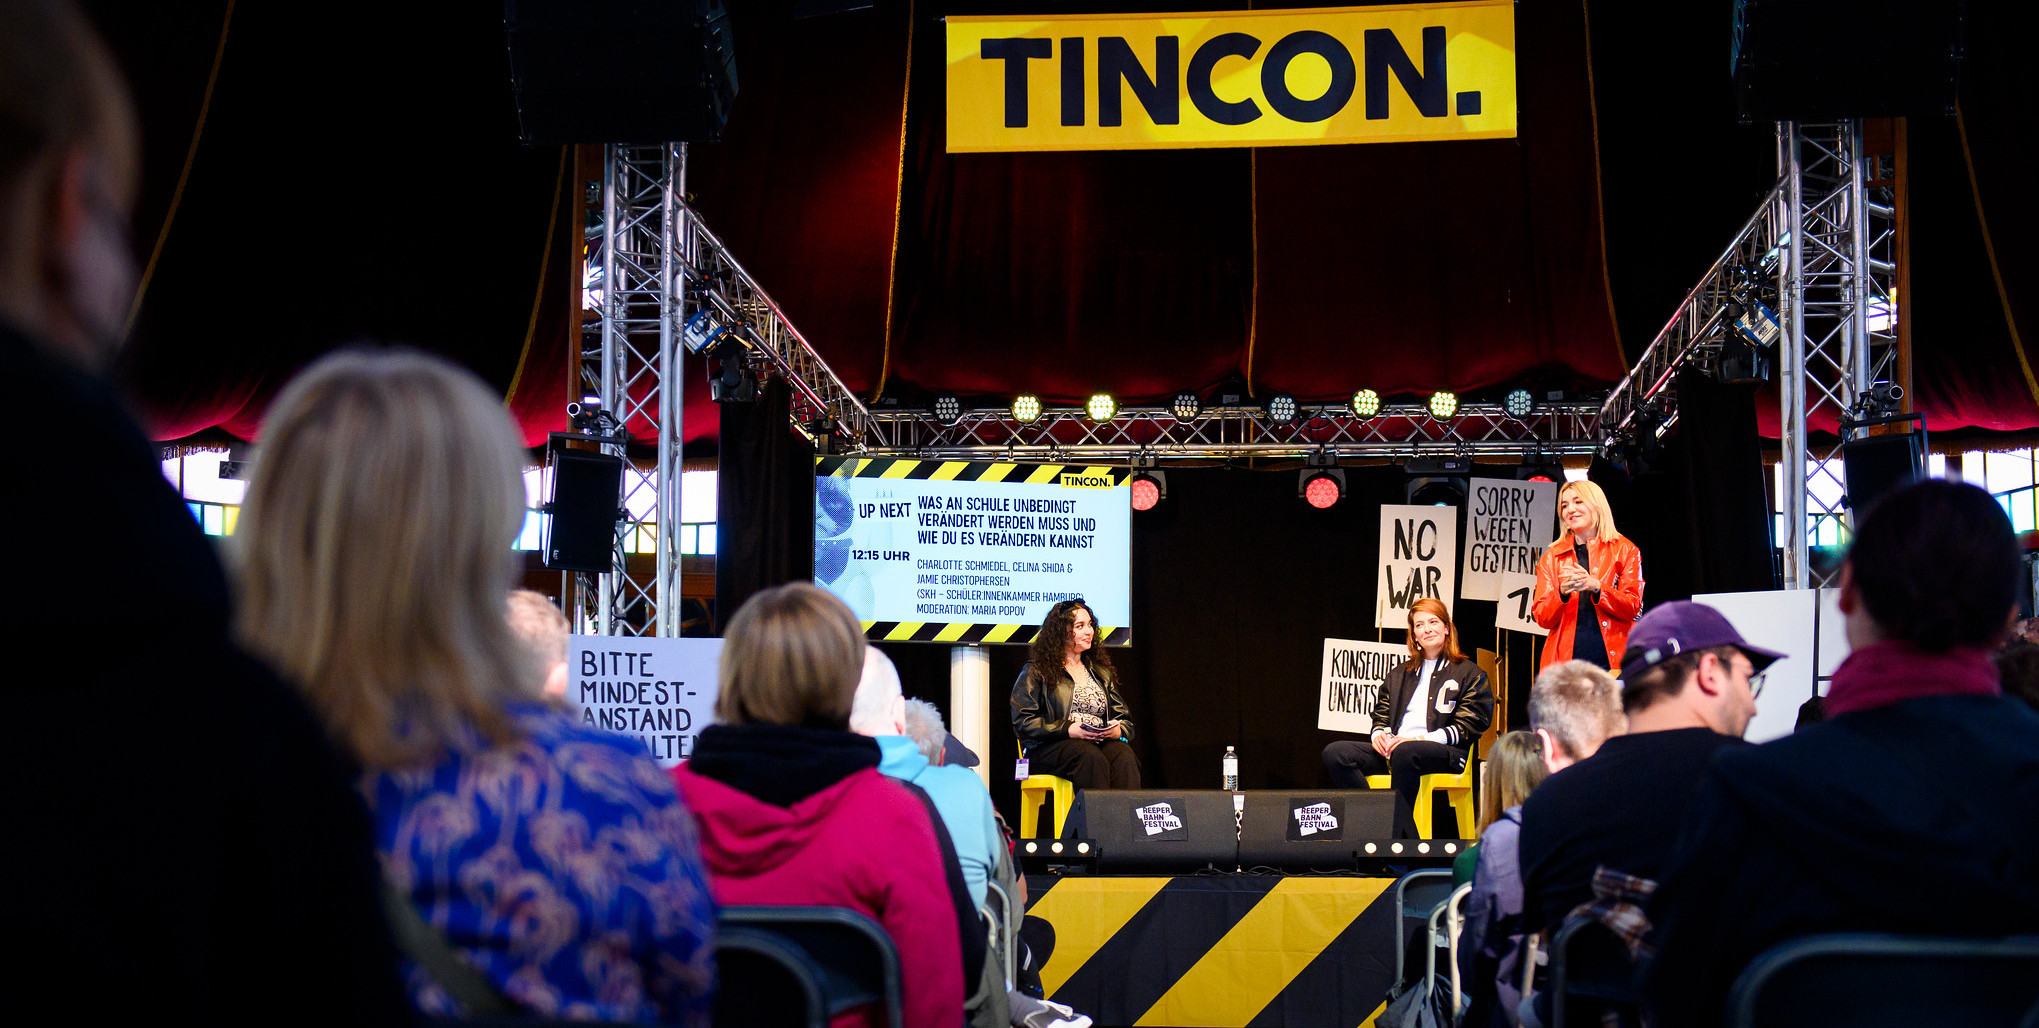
(964, 803)
(1490, 951)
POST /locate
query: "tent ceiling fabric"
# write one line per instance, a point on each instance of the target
(358, 183)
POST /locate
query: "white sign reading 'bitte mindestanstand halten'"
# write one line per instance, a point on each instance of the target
(658, 691)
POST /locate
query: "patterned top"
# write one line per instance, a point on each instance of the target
(563, 865)
(1087, 700)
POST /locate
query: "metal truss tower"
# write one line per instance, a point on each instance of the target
(1809, 279)
(632, 361)
(1840, 331)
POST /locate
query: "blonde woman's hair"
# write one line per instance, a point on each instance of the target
(1603, 515)
(374, 554)
(1514, 770)
(792, 655)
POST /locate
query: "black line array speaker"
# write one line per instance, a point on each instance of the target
(1811, 60)
(587, 490)
(1876, 465)
(1319, 831)
(620, 71)
(1159, 829)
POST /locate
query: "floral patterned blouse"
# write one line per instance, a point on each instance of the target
(563, 865)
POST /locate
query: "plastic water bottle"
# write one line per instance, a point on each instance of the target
(1231, 770)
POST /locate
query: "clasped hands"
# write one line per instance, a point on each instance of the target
(1385, 743)
(1575, 579)
(1111, 730)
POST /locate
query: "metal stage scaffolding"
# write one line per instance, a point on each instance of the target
(1809, 282)
(660, 268)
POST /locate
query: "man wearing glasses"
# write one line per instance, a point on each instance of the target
(1688, 685)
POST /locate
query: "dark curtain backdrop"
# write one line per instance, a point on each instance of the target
(1236, 584)
(1701, 513)
(764, 495)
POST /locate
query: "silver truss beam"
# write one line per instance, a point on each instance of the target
(1398, 430)
(1823, 243)
(631, 359)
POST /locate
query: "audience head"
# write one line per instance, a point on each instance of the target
(924, 726)
(1515, 767)
(2018, 668)
(1687, 666)
(69, 163)
(1935, 564)
(543, 630)
(879, 707)
(1573, 708)
(792, 655)
(2024, 630)
(374, 553)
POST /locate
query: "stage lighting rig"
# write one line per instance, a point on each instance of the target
(1443, 404)
(702, 332)
(587, 416)
(1518, 403)
(1281, 409)
(1026, 408)
(1149, 484)
(1321, 483)
(1101, 407)
(1365, 403)
(735, 381)
(948, 409)
(1186, 406)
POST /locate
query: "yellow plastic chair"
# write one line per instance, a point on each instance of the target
(1458, 791)
(1034, 789)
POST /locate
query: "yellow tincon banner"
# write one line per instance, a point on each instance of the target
(1246, 78)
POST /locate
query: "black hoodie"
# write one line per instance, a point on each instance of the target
(1917, 817)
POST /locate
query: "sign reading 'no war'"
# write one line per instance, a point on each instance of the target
(1245, 78)
(1419, 558)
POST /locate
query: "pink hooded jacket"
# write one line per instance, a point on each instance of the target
(863, 843)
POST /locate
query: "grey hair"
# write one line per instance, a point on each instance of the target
(876, 690)
(1578, 704)
(924, 726)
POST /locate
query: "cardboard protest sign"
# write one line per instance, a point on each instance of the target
(1508, 524)
(1418, 558)
(1518, 592)
(661, 691)
(1353, 672)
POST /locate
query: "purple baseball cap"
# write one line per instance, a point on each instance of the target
(1681, 626)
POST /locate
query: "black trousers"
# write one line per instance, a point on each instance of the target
(1089, 765)
(1349, 761)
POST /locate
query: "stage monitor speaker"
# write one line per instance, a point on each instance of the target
(1810, 60)
(1159, 829)
(1877, 465)
(620, 71)
(1317, 830)
(587, 490)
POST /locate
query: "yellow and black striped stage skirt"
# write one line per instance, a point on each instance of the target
(1219, 949)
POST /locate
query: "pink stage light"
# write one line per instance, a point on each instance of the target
(1322, 492)
(1146, 493)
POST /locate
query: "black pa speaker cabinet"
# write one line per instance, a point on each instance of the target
(1313, 831)
(1813, 60)
(1159, 829)
(1876, 465)
(620, 71)
(587, 490)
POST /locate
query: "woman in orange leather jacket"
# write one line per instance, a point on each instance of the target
(1589, 584)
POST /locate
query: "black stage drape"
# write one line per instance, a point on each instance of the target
(764, 501)
(1700, 512)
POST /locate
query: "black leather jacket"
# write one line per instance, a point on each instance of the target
(1040, 710)
(1460, 702)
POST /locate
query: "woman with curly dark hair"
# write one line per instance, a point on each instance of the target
(1066, 708)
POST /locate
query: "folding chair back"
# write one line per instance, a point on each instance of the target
(1864, 978)
(830, 958)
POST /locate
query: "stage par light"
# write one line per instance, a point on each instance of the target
(1366, 403)
(1026, 408)
(948, 409)
(1149, 489)
(1281, 408)
(1101, 407)
(1322, 488)
(1443, 404)
(1186, 406)
(1518, 402)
